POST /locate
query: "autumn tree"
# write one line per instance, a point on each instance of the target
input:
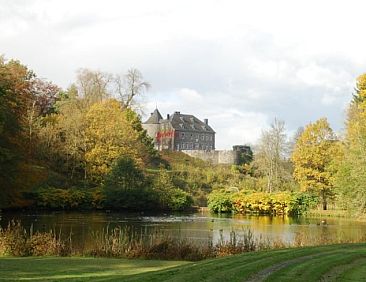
(110, 136)
(42, 99)
(313, 158)
(351, 177)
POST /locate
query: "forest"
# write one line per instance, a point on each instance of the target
(84, 148)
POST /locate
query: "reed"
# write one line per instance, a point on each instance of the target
(131, 243)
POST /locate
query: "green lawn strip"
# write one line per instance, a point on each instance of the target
(355, 273)
(58, 269)
(314, 268)
(234, 268)
(205, 270)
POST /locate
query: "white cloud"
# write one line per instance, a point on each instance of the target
(238, 63)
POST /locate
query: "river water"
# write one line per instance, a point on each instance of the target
(199, 227)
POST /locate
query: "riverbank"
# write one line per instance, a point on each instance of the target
(343, 262)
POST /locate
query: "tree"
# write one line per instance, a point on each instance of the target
(271, 154)
(124, 186)
(109, 136)
(42, 100)
(313, 158)
(130, 86)
(15, 92)
(351, 177)
(93, 86)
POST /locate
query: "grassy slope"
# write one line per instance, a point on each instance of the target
(329, 263)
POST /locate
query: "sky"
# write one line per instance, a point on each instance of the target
(241, 64)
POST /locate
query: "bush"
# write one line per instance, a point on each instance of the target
(220, 201)
(72, 198)
(282, 203)
(168, 195)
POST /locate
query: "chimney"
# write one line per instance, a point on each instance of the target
(206, 121)
(178, 113)
(151, 114)
(168, 116)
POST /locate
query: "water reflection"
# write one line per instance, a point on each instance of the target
(199, 227)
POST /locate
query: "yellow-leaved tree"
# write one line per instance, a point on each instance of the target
(313, 157)
(109, 136)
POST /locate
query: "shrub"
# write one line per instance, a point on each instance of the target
(220, 201)
(56, 198)
(168, 195)
(281, 203)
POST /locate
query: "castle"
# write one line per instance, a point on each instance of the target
(181, 132)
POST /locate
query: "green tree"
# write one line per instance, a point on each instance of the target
(351, 177)
(314, 154)
(125, 186)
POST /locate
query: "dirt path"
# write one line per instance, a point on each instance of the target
(263, 274)
(335, 272)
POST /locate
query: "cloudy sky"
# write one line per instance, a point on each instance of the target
(238, 63)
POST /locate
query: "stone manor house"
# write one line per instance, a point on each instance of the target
(179, 132)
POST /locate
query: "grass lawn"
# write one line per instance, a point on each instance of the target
(345, 262)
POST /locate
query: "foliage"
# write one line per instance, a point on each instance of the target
(220, 201)
(280, 203)
(109, 136)
(313, 157)
(125, 187)
(351, 177)
(72, 198)
(169, 196)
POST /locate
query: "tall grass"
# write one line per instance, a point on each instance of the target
(129, 243)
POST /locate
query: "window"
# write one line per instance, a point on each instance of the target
(197, 146)
(182, 135)
(202, 137)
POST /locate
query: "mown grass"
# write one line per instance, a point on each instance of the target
(76, 268)
(345, 262)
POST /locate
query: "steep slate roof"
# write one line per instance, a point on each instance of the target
(155, 117)
(180, 122)
(189, 123)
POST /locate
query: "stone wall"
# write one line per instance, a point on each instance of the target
(215, 157)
